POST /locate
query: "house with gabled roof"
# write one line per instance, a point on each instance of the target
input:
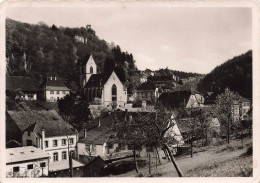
(55, 89)
(46, 130)
(27, 85)
(147, 91)
(186, 99)
(105, 86)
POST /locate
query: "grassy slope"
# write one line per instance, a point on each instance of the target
(213, 161)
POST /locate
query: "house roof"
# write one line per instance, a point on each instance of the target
(84, 60)
(64, 165)
(160, 78)
(56, 84)
(175, 99)
(26, 153)
(146, 86)
(22, 82)
(50, 120)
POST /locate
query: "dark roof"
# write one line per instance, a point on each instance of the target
(50, 120)
(22, 82)
(97, 80)
(159, 78)
(210, 98)
(146, 86)
(175, 99)
(84, 60)
(55, 84)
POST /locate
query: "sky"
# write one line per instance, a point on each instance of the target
(191, 39)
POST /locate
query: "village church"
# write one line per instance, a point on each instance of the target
(107, 87)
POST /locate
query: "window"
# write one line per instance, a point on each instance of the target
(63, 92)
(46, 144)
(63, 142)
(114, 93)
(30, 166)
(55, 157)
(55, 143)
(64, 155)
(29, 142)
(88, 148)
(16, 169)
(43, 164)
(72, 154)
(58, 92)
(29, 134)
(71, 141)
(91, 69)
(51, 92)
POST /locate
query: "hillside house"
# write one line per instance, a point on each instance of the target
(147, 91)
(55, 89)
(186, 99)
(45, 130)
(240, 108)
(95, 140)
(27, 86)
(163, 82)
(106, 87)
(26, 161)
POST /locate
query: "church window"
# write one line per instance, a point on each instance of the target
(114, 93)
(91, 69)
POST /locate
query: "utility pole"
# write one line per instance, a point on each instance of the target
(149, 164)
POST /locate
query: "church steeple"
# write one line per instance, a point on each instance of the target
(87, 68)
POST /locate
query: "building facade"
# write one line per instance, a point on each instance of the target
(55, 89)
(26, 162)
(106, 87)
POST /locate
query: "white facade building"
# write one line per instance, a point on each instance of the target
(26, 162)
(106, 87)
(55, 89)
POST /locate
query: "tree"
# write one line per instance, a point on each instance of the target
(66, 105)
(130, 133)
(154, 126)
(82, 114)
(226, 105)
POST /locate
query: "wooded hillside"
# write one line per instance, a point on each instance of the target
(235, 74)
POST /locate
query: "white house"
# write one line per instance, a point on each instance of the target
(55, 89)
(26, 162)
(107, 87)
(52, 134)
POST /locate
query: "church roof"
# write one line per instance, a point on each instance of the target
(97, 80)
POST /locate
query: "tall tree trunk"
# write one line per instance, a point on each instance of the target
(191, 148)
(158, 156)
(242, 143)
(173, 161)
(136, 167)
(228, 132)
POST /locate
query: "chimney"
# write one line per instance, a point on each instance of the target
(85, 132)
(43, 139)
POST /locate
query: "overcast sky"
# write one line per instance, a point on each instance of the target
(186, 39)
